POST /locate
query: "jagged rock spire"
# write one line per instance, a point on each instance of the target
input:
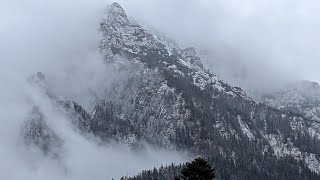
(117, 13)
(114, 18)
(120, 36)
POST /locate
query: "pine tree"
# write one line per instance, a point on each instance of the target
(198, 169)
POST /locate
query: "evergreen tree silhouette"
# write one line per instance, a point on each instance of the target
(198, 169)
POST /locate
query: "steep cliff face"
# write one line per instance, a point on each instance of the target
(163, 96)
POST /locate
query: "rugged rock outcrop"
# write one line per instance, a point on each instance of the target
(38, 134)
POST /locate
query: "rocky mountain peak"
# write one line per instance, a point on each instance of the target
(117, 14)
(122, 37)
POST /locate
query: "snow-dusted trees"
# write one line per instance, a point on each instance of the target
(198, 169)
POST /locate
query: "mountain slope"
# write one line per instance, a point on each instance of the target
(37, 133)
(301, 97)
(164, 97)
(170, 100)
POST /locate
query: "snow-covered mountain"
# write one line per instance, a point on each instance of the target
(163, 96)
(302, 97)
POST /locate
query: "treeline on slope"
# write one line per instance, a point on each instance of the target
(272, 168)
(198, 169)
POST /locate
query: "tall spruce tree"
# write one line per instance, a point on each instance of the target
(198, 169)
